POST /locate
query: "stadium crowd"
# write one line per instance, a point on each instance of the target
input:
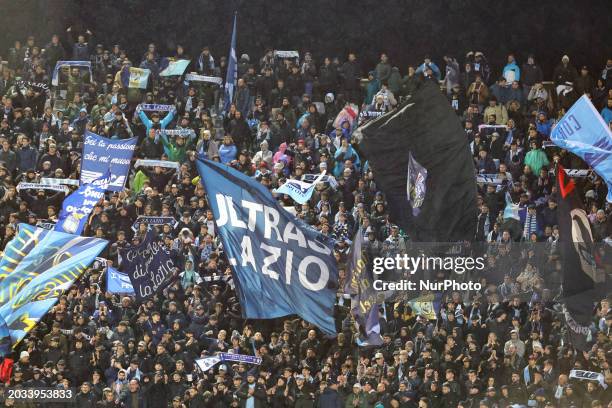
(504, 346)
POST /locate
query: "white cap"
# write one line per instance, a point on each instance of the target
(357, 385)
(24, 354)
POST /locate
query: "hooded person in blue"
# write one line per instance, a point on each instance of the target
(512, 72)
(543, 125)
(345, 152)
(428, 64)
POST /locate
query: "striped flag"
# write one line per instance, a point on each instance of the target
(232, 71)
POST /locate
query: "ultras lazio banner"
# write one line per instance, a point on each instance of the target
(281, 265)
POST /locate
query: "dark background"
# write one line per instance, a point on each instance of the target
(406, 29)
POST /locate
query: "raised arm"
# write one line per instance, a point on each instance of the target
(168, 118)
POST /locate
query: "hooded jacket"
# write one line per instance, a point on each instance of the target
(264, 155)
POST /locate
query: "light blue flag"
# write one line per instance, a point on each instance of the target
(118, 282)
(511, 210)
(281, 266)
(78, 205)
(232, 71)
(175, 68)
(300, 191)
(583, 132)
(39, 266)
(139, 77)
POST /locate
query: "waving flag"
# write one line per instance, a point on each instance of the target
(78, 205)
(171, 67)
(276, 259)
(232, 71)
(133, 77)
(118, 282)
(300, 191)
(37, 268)
(583, 132)
(581, 281)
(365, 301)
(428, 127)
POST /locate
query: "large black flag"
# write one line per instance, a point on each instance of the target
(579, 270)
(427, 127)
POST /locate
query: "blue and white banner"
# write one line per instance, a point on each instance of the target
(157, 163)
(48, 225)
(60, 181)
(489, 179)
(589, 376)
(101, 155)
(286, 54)
(203, 78)
(583, 132)
(300, 191)
(60, 64)
(155, 107)
(185, 132)
(207, 363)
(232, 72)
(133, 77)
(154, 220)
(174, 67)
(275, 258)
(148, 265)
(42, 186)
(78, 205)
(118, 282)
(328, 178)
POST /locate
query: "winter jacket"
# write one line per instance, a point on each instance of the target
(330, 399)
(531, 73)
(536, 159)
(227, 153)
(512, 72)
(500, 112)
(395, 81)
(564, 73)
(148, 123)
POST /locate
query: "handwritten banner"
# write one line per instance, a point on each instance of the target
(149, 266)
